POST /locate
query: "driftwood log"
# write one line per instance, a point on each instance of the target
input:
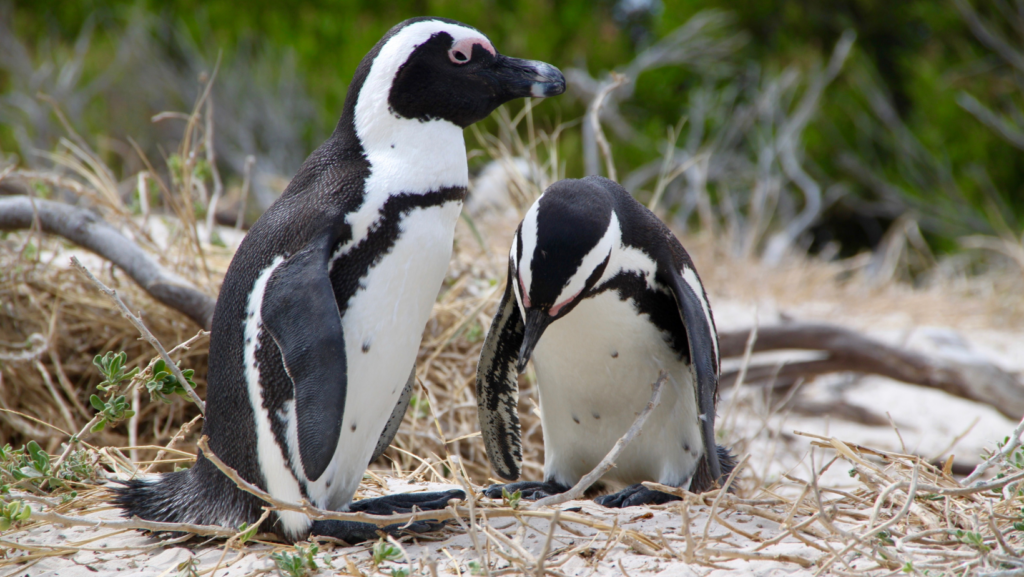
(86, 229)
(848, 351)
(842, 350)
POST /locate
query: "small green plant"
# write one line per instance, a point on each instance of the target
(475, 332)
(111, 366)
(886, 538)
(13, 513)
(973, 539)
(31, 464)
(908, 567)
(112, 412)
(399, 572)
(298, 564)
(163, 384)
(475, 568)
(384, 551)
(245, 532)
(188, 568)
(513, 499)
(420, 407)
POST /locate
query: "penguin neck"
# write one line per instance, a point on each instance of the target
(406, 155)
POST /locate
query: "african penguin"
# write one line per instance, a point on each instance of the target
(603, 297)
(320, 315)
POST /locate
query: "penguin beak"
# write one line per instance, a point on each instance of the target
(523, 78)
(536, 322)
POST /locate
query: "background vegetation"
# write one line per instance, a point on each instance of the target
(892, 135)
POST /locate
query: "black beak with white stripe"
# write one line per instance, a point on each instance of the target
(603, 297)
(319, 319)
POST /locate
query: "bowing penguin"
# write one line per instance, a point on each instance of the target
(603, 297)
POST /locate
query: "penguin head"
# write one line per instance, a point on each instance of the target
(559, 254)
(434, 69)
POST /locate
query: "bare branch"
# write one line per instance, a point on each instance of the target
(137, 322)
(609, 460)
(89, 231)
(133, 523)
(849, 351)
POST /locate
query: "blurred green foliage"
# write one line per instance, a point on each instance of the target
(920, 51)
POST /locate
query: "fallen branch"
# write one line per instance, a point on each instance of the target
(852, 352)
(133, 523)
(608, 461)
(89, 231)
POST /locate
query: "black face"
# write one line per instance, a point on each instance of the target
(570, 223)
(464, 83)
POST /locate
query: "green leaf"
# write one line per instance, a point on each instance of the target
(96, 402)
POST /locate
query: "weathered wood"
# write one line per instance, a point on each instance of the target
(91, 232)
(848, 351)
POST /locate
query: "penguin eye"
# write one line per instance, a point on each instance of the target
(462, 51)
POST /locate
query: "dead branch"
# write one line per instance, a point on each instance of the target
(146, 334)
(608, 461)
(848, 351)
(89, 231)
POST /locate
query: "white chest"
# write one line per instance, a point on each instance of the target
(595, 368)
(383, 325)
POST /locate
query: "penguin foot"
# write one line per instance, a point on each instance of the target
(353, 532)
(634, 495)
(404, 502)
(529, 490)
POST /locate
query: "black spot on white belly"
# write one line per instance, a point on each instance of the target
(366, 346)
(595, 414)
(353, 427)
(686, 447)
(615, 354)
(577, 419)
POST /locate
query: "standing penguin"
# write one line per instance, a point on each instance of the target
(320, 315)
(604, 297)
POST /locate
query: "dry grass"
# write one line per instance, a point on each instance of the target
(903, 515)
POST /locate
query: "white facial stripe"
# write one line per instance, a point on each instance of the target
(691, 279)
(630, 259)
(281, 483)
(612, 237)
(405, 155)
(529, 237)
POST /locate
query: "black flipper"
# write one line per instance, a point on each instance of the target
(497, 387)
(529, 490)
(703, 340)
(395, 421)
(300, 311)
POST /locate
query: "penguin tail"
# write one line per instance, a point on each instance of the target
(702, 478)
(201, 495)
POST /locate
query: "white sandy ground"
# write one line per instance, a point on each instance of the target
(928, 421)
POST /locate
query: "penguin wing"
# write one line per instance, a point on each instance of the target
(703, 340)
(300, 312)
(497, 387)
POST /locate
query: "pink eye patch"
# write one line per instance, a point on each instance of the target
(462, 51)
